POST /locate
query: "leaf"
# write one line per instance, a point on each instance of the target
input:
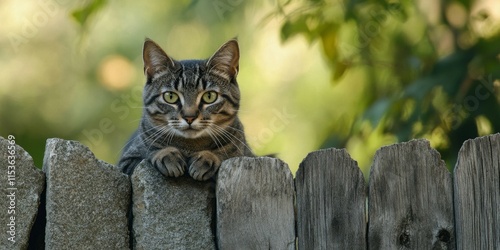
(339, 70)
(82, 15)
(420, 88)
(329, 40)
(397, 10)
(448, 73)
(405, 133)
(377, 110)
(309, 25)
(292, 28)
(350, 8)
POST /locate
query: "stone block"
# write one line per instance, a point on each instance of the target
(171, 213)
(87, 199)
(21, 186)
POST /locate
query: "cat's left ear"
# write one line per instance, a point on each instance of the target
(225, 62)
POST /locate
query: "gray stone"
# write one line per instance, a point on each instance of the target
(21, 191)
(171, 213)
(87, 199)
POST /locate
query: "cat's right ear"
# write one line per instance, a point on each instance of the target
(155, 60)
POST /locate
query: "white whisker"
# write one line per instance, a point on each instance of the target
(212, 135)
(221, 131)
(131, 140)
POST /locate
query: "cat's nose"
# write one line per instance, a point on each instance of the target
(189, 119)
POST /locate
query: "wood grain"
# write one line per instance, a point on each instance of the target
(477, 194)
(331, 200)
(255, 204)
(410, 199)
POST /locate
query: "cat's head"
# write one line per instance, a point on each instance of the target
(191, 98)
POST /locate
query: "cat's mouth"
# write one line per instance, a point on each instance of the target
(191, 132)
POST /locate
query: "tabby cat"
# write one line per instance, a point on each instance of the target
(190, 118)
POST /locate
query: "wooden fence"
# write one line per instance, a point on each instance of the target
(410, 202)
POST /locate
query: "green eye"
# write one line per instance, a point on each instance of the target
(209, 97)
(170, 97)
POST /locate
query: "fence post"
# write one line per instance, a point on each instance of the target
(22, 185)
(410, 199)
(171, 213)
(477, 194)
(255, 207)
(331, 199)
(87, 199)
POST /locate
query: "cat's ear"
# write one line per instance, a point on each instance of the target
(155, 59)
(225, 62)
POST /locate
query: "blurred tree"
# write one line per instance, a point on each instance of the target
(66, 74)
(399, 70)
(432, 66)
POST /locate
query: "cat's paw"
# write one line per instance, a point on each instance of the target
(203, 165)
(169, 161)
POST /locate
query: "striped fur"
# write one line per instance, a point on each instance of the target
(193, 134)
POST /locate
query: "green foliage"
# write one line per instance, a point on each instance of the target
(444, 92)
(82, 14)
(74, 70)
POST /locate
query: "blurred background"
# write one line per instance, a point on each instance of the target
(354, 74)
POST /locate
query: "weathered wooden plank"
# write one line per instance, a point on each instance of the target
(410, 199)
(255, 207)
(331, 200)
(477, 194)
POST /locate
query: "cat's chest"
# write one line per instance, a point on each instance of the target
(189, 146)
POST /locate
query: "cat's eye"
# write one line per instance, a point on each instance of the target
(209, 97)
(170, 97)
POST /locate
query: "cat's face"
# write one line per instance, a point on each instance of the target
(192, 98)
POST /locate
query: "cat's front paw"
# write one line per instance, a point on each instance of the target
(169, 161)
(203, 165)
